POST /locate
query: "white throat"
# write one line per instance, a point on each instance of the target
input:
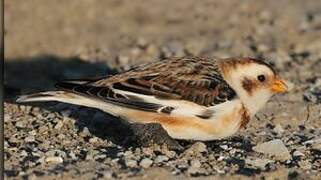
(255, 102)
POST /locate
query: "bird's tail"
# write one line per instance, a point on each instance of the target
(61, 96)
(70, 98)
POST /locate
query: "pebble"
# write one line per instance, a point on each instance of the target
(93, 140)
(30, 138)
(66, 113)
(258, 163)
(196, 148)
(59, 125)
(305, 164)
(316, 146)
(274, 147)
(297, 153)
(195, 163)
(85, 132)
(73, 156)
(54, 159)
(146, 163)
(21, 124)
(107, 174)
(160, 159)
(193, 170)
(131, 163)
(278, 129)
(225, 147)
(23, 153)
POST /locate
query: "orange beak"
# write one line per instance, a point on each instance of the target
(279, 86)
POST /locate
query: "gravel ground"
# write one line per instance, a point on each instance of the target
(51, 40)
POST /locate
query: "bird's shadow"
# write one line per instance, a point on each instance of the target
(40, 73)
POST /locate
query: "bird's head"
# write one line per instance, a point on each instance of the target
(253, 80)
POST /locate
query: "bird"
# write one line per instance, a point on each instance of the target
(191, 97)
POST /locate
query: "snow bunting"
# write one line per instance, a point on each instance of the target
(191, 97)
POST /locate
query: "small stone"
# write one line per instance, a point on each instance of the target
(146, 163)
(278, 129)
(61, 136)
(275, 147)
(316, 146)
(59, 125)
(193, 170)
(54, 159)
(313, 141)
(195, 163)
(297, 153)
(225, 147)
(107, 174)
(221, 158)
(85, 132)
(73, 156)
(131, 163)
(30, 138)
(65, 113)
(128, 154)
(170, 154)
(196, 148)
(6, 144)
(161, 158)
(93, 140)
(7, 118)
(90, 154)
(305, 164)
(258, 163)
(100, 156)
(23, 153)
(21, 124)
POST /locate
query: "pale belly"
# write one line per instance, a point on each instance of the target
(194, 128)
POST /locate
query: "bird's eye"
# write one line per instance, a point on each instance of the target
(261, 78)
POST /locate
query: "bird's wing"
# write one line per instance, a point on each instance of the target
(146, 87)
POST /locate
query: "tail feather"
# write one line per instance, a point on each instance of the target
(71, 98)
(43, 96)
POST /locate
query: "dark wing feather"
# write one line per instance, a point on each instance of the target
(190, 78)
(193, 79)
(108, 95)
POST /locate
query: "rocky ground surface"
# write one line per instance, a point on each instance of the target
(51, 40)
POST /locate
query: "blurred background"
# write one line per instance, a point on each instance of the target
(49, 40)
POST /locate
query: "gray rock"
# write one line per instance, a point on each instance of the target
(54, 159)
(161, 158)
(196, 148)
(107, 174)
(258, 163)
(59, 125)
(278, 129)
(30, 138)
(275, 147)
(146, 163)
(225, 147)
(131, 163)
(21, 124)
(195, 163)
(73, 156)
(23, 153)
(297, 153)
(193, 170)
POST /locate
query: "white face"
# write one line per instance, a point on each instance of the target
(253, 82)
